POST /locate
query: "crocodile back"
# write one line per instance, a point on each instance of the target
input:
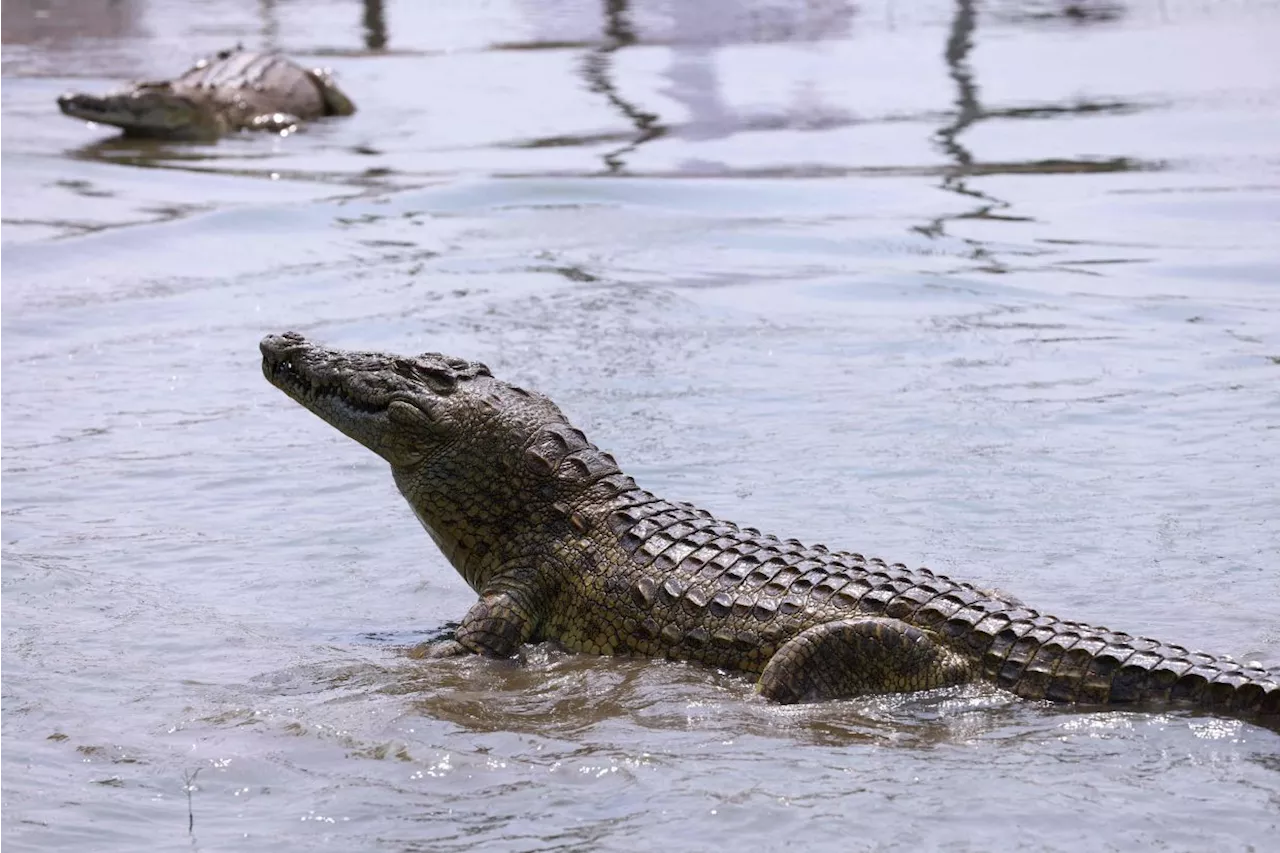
(694, 587)
(251, 83)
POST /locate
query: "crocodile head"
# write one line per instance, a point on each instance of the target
(476, 458)
(151, 110)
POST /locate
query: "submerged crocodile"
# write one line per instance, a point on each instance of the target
(234, 90)
(561, 545)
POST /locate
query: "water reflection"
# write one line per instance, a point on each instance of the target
(969, 111)
(269, 31)
(702, 101)
(373, 25)
(374, 22)
(1077, 12)
(597, 68)
(696, 32)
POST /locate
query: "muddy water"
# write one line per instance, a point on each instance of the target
(991, 289)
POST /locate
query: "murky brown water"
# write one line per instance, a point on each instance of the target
(991, 288)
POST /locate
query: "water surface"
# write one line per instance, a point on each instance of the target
(989, 288)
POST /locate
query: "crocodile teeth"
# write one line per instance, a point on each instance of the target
(295, 376)
(315, 390)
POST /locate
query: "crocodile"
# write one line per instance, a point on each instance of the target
(560, 545)
(233, 90)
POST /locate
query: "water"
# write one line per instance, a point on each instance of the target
(986, 288)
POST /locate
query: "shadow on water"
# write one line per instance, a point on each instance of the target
(186, 156)
(552, 693)
(226, 157)
(549, 692)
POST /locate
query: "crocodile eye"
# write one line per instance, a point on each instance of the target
(425, 418)
(440, 379)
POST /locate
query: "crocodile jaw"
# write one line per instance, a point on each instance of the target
(145, 112)
(343, 394)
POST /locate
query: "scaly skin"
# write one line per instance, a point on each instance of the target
(236, 89)
(561, 545)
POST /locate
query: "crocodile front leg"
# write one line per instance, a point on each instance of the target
(495, 626)
(852, 657)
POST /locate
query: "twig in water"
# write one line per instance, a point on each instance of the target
(189, 778)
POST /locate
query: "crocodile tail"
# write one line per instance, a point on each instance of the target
(1037, 656)
(1095, 666)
